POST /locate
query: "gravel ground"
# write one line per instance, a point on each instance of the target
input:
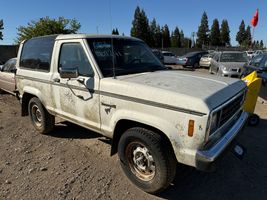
(74, 163)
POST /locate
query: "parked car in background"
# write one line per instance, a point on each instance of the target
(228, 63)
(250, 54)
(158, 54)
(259, 64)
(205, 60)
(7, 76)
(191, 59)
(257, 52)
(169, 57)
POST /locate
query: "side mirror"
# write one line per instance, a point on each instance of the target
(69, 72)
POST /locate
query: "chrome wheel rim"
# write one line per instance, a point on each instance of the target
(141, 161)
(36, 115)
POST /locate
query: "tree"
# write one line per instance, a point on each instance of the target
(176, 38)
(155, 34)
(261, 44)
(1, 28)
(241, 34)
(215, 33)
(140, 26)
(166, 36)
(203, 31)
(115, 32)
(248, 38)
(47, 26)
(225, 33)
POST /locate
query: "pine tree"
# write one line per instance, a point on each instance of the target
(115, 32)
(166, 36)
(261, 44)
(155, 34)
(225, 33)
(248, 38)
(241, 34)
(1, 28)
(176, 38)
(140, 26)
(215, 33)
(203, 31)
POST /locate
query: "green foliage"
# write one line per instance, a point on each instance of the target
(166, 39)
(176, 38)
(115, 32)
(215, 33)
(140, 26)
(241, 34)
(225, 33)
(1, 28)
(248, 38)
(47, 26)
(156, 35)
(261, 44)
(203, 31)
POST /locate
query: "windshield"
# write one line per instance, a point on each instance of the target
(130, 56)
(234, 57)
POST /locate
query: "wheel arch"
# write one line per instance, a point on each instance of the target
(125, 124)
(28, 93)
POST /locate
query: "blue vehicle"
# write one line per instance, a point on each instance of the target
(259, 64)
(191, 59)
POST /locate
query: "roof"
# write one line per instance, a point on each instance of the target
(81, 36)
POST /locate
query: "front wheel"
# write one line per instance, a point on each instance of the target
(146, 159)
(41, 119)
(196, 65)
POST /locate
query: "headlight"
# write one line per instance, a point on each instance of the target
(213, 122)
(224, 68)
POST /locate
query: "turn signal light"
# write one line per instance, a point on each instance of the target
(191, 128)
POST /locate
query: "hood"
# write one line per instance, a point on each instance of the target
(189, 90)
(233, 65)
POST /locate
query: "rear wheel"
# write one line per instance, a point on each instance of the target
(146, 159)
(42, 120)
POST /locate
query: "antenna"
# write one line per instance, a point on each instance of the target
(112, 48)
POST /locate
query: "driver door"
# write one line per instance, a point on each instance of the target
(77, 99)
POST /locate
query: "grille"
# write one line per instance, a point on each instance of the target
(230, 109)
(224, 114)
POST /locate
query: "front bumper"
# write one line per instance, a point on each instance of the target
(205, 158)
(231, 74)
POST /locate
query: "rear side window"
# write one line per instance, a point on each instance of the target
(37, 52)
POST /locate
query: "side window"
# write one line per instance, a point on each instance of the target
(265, 63)
(72, 55)
(37, 52)
(256, 60)
(9, 65)
(216, 57)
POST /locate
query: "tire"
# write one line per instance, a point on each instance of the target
(253, 120)
(42, 121)
(147, 160)
(195, 65)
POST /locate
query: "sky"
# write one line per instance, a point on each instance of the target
(100, 16)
